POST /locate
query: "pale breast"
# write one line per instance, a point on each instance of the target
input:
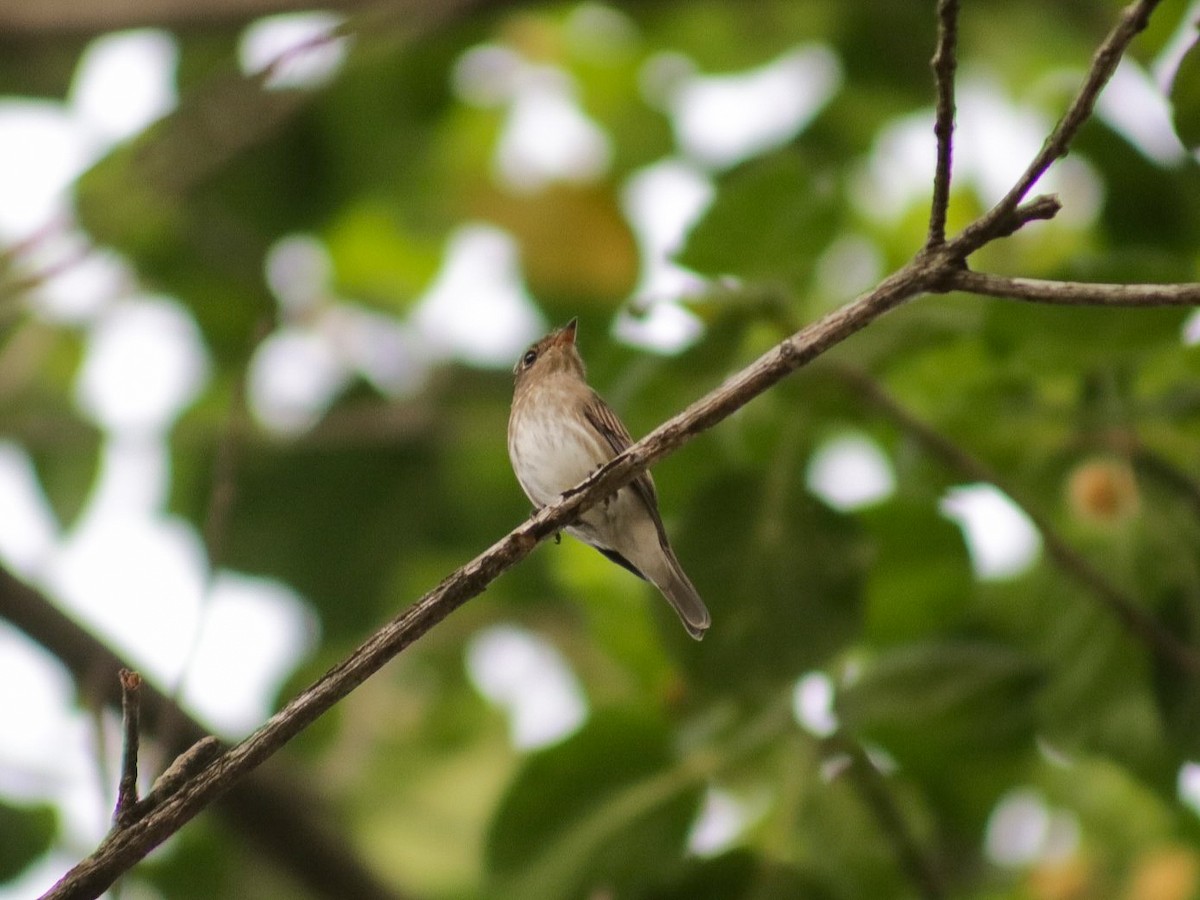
(551, 451)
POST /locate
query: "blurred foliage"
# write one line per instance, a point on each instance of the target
(964, 692)
(29, 831)
(1185, 98)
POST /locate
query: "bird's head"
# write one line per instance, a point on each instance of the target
(556, 352)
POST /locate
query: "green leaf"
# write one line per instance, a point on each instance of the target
(196, 199)
(1148, 210)
(920, 580)
(1101, 339)
(1185, 98)
(866, 28)
(1099, 692)
(377, 260)
(41, 414)
(957, 716)
(204, 863)
(136, 198)
(769, 222)
(68, 472)
(40, 68)
(723, 37)
(29, 831)
(921, 700)
(741, 875)
(1114, 807)
(606, 809)
(782, 574)
(332, 523)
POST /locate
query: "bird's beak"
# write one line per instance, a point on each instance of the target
(566, 334)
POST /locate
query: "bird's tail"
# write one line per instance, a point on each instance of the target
(682, 595)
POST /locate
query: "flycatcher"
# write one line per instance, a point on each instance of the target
(559, 432)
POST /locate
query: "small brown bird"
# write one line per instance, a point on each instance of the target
(559, 432)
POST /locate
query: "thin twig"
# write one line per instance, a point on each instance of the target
(24, 283)
(920, 869)
(131, 707)
(57, 225)
(944, 64)
(1140, 624)
(1104, 62)
(1074, 293)
(277, 67)
(1044, 206)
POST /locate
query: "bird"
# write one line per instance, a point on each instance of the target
(559, 432)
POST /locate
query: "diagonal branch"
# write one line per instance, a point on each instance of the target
(930, 271)
(126, 846)
(1104, 62)
(269, 810)
(945, 64)
(1074, 293)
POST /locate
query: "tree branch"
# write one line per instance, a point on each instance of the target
(872, 787)
(1104, 62)
(1074, 293)
(944, 63)
(94, 874)
(931, 270)
(269, 809)
(1042, 207)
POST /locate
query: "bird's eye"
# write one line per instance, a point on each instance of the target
(529, 358)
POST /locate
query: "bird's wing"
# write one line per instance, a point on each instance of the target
(605, 421)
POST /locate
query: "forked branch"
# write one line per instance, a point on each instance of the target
(939, 267)
(1132, 22)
